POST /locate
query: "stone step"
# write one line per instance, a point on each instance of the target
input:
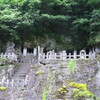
(17, 77)
(18, 73)
(23, 68)
(21, 72)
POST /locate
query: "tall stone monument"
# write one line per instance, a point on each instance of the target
(10, 47)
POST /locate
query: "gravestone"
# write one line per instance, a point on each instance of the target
(64, 54)
(82, 54)
(24, 51)
(35, 51)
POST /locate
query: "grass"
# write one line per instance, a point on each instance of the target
(44, 95)
(71, 65)
(3, 58)
(1, 67)
(95, 97)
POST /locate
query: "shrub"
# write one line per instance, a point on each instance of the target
(79, 86)
(3, 88)
(39, 72)
(80, 92)
(63, 90)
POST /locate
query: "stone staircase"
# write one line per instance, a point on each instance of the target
(22, 71)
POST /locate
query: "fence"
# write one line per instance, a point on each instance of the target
(8, 71)
(10, 84)
(51, 55)
(11, 56)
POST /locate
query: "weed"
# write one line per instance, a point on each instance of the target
(44, 95)
(71, 65)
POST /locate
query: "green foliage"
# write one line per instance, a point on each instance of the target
(3, 88)
(44, 95)
(58, 17)
(95, 97)
(3, 58)
(71, 66)
(39, 72)
(66, 22)
(81, 92)
(95, 27)
(63, 90)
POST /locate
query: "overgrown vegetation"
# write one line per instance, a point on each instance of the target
(55, 24)
(81, 92)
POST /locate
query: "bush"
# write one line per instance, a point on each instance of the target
(39, 72)
(81, 92)
(3, 88)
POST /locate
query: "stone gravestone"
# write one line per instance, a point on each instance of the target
(82, 54)
(10, 47)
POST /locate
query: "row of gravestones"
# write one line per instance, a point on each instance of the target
(10, 84)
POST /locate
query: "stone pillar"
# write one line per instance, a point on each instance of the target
(75, 54)
(55, 56)
(90, 54)
(50, 54)
(24, 51)
(61, 55)
(69, 55)
(42, 50)
(39, 49)
(43, 56)
(64, 54)
(35, 51)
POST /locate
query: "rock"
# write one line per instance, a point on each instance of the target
(10, 47)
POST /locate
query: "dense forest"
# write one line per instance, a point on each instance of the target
(56, 24)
